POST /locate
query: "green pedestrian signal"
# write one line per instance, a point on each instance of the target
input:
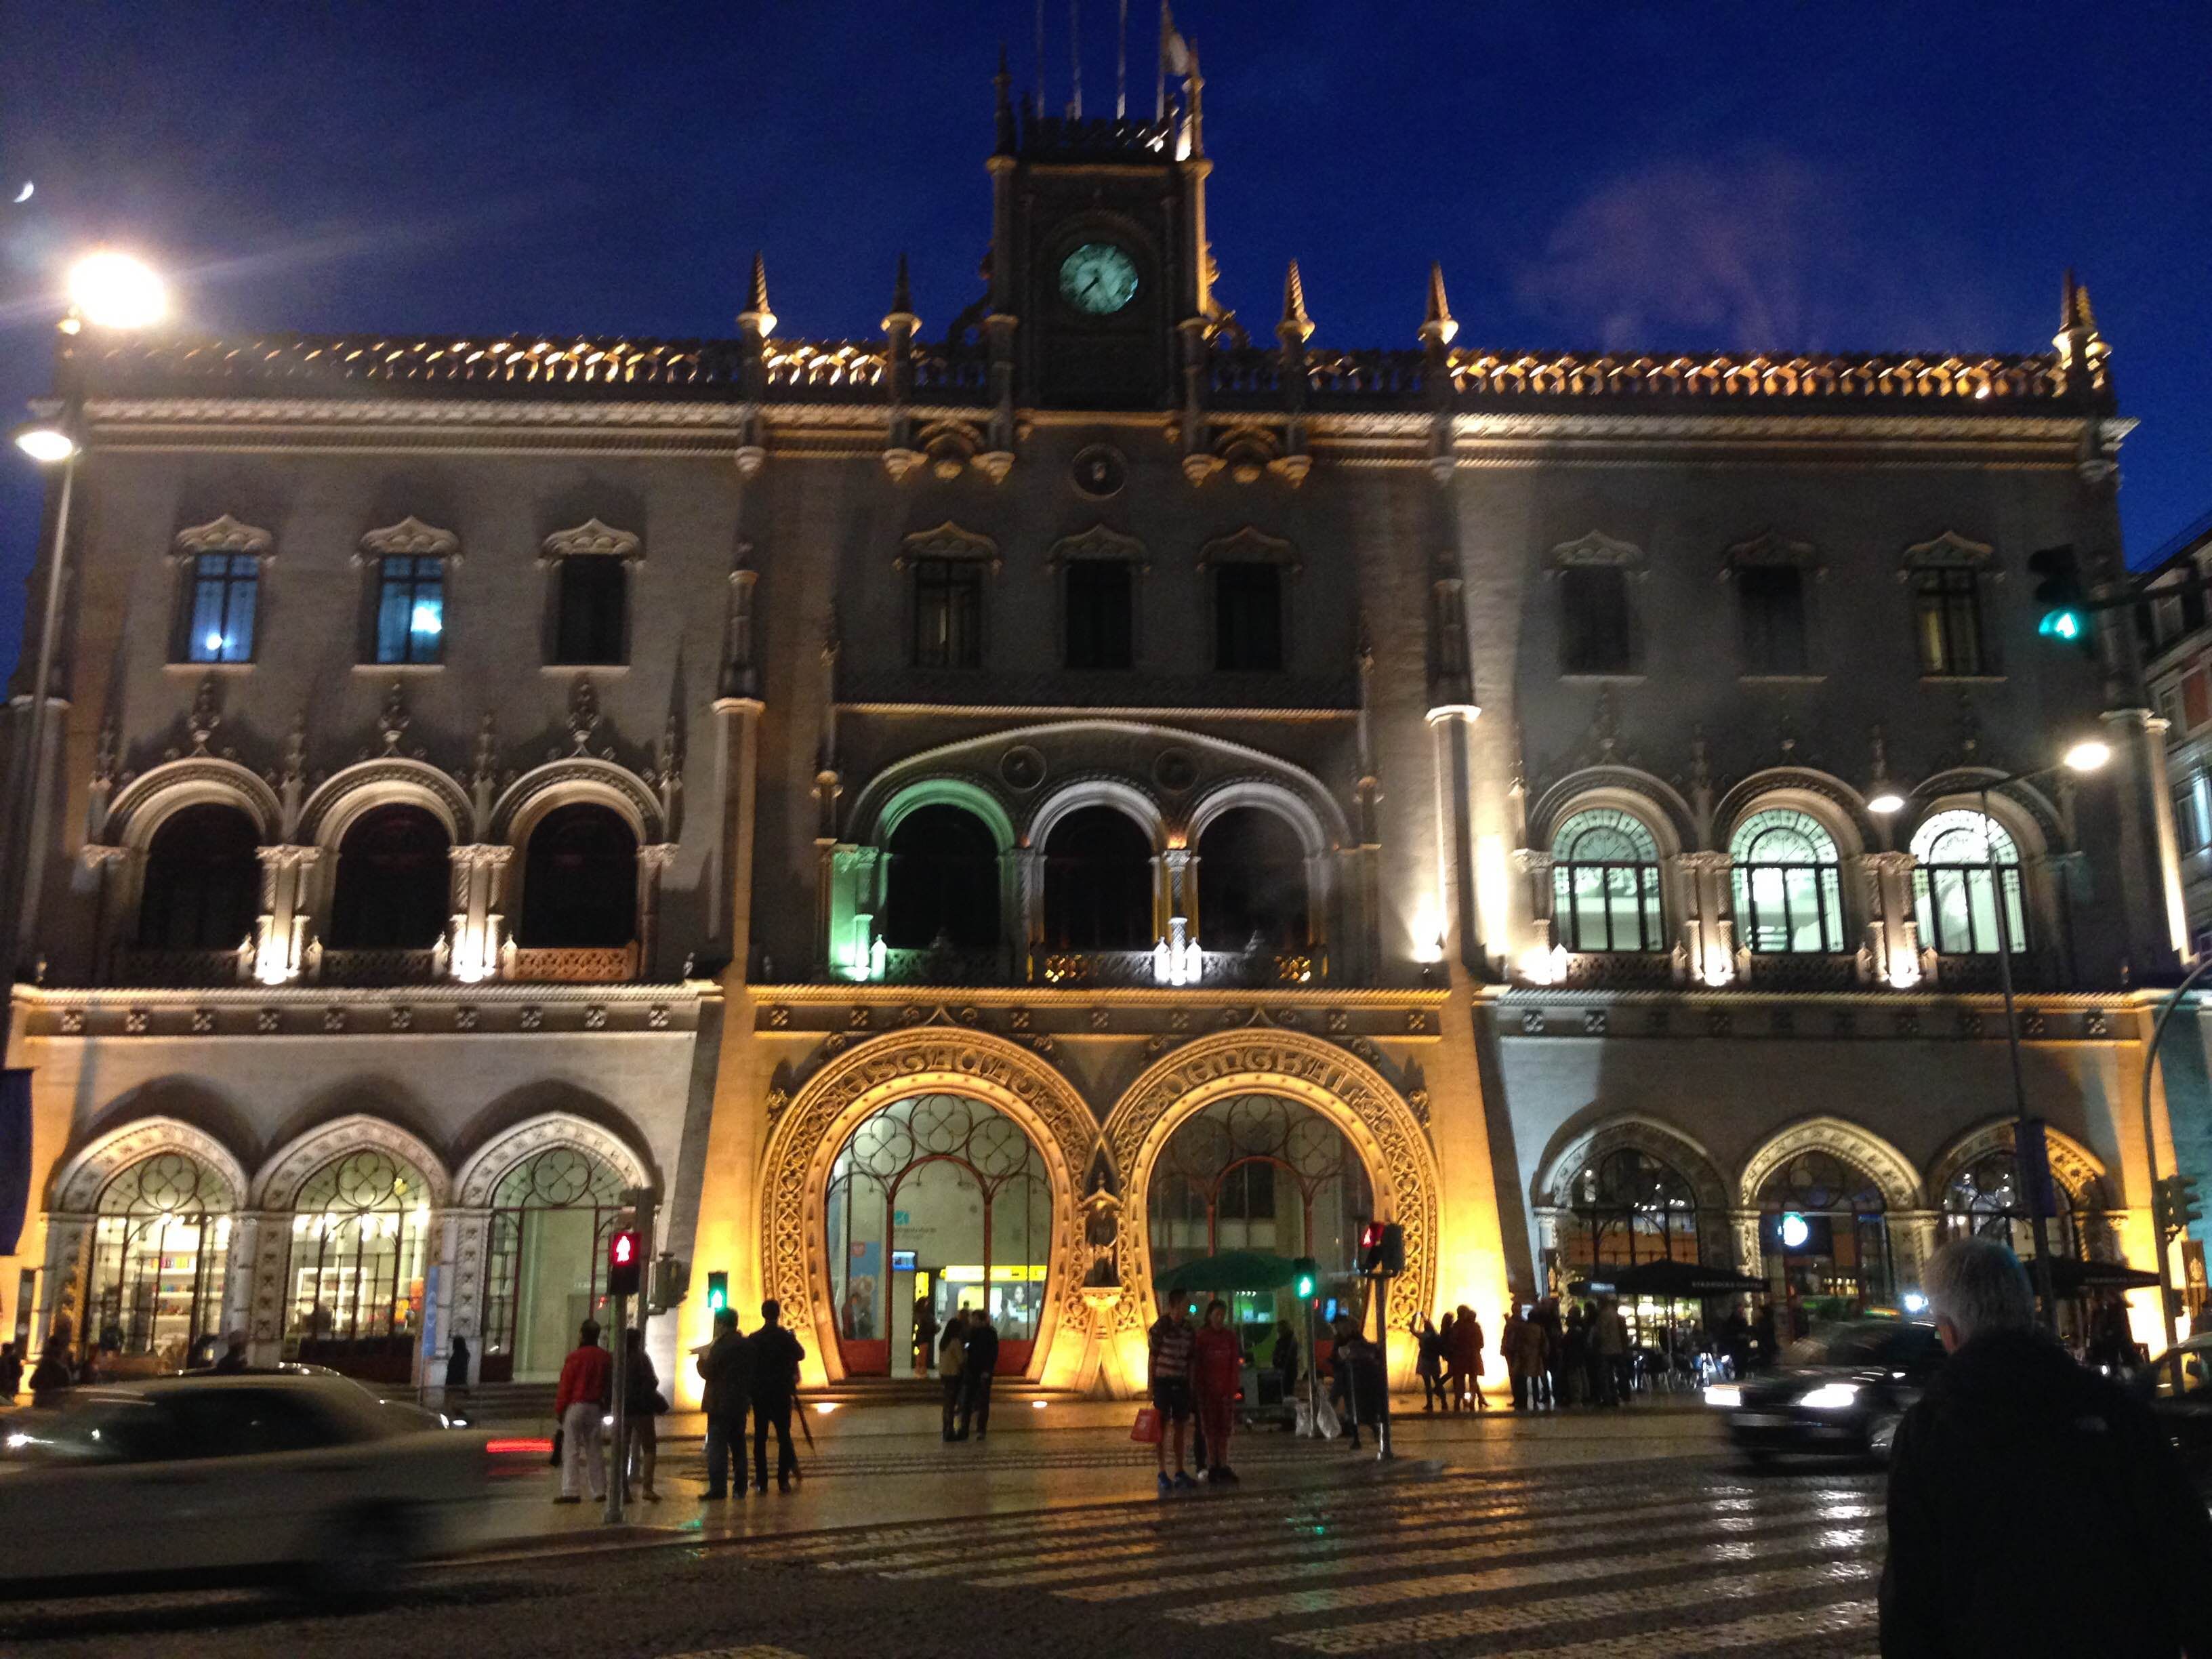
(718, 1292)
(2063, 606)
(1308, 1275)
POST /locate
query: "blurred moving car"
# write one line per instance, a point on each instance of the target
(1841, 1390)
(2185, 1413)
(236, 1477)
(402, 1409)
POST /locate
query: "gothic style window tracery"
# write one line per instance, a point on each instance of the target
(202, 883)
(1605, 883)
(157, 1279)
(393, 881)
(359, 1229)
(1256, 1172)
(1625, 1208)
(1983, 1198)
(1789, 883)
(1252, 882)
(544, 1273)
(1955, 890)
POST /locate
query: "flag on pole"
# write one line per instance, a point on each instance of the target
(1174, 60)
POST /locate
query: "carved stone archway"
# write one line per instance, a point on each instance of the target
(1354, 1096)
(1554, 1203)
(925, 1060)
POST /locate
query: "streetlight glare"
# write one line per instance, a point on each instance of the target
(111, 290)
(1886, 803)
(45, 444)
(2088, 756)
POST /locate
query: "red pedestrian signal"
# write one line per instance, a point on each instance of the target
(625, 1262)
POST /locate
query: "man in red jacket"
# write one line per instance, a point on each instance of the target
(578, 1406)
(1217, 1365)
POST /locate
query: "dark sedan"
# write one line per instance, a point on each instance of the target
(1840, 1391)
(2187, 1412)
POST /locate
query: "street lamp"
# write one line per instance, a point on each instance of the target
(107, 290)
(2088, 755)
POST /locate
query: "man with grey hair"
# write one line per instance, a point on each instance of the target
(2034, 1506)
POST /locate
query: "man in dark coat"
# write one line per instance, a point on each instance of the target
(726, 1369)
(2120, 1564)
(775, 1357)
(981, 1367)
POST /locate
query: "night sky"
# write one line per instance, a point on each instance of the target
(1648, 176)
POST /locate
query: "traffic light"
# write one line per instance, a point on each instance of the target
(625, 1262)
(718, 1292)
(1306, 1273)
(2058, 596)
(1370, 1246)
(2174, 1205)
(671, 1282)
(1383, 1248)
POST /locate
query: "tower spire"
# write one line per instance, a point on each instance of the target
(757, 314)
(1295, 319)
(901, 291)
(1437, 324)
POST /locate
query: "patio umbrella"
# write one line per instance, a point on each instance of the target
(1685, 1279)
(2069, 1277)
(1232, 1270)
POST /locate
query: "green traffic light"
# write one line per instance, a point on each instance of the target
(2067, 625)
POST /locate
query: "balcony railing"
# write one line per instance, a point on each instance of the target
(393, 967)
(1795, 970)
(571, 964)
(139, 965)
(1217, 969)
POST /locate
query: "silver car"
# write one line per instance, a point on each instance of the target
(238, 1477)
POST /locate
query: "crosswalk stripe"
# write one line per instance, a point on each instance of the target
(1475, 1526)
(1719, 1532)
(1564, 1609)
(1692, 1641)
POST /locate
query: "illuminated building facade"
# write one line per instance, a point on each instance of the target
(984, 814)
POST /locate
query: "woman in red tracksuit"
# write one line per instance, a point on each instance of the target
(1217, 1364)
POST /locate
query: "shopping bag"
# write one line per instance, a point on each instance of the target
(1325, 1423)
(1146, 1430)
(558, 1434)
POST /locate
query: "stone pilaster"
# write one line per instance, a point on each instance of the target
(472, 938)
(281, 934)
(1707, 934)
(653, 862)
(1893, 930)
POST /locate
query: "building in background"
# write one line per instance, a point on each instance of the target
(983, 814)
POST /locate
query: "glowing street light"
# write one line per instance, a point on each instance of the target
(110, 288)
(45, 442)
(2088, 756)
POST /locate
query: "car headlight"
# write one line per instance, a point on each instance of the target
(1831, 1397)
(1726, 1396)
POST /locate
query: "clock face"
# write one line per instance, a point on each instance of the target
(1098, 279)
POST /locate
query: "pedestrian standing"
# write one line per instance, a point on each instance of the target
(2012, 1428)
(11, 1374)
(1513, 1343)
(1608, 1340)
(1431, 1364)
(1551, 1374)
(1217, 1368)
(725, 1370)
(457, 1370)
(775, 1357)
(1467, 1331)
(979, 1368)
(925, 1334)
(578, 1402)
(952, 1360)
(1285, 1359)
(1167, 1347)
(642, 1402)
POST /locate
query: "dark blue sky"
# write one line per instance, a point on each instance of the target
(1656, 175)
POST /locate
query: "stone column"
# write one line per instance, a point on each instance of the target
(1028, 867)
(1541, 961)
(115, 874)
(737, 725)
(1893, 931)
(1707, 933)
(68, 1240)
(472, 938)
(1913, 1237)
(2150, 861)
(268, 1247)
(653, 862)
(1320, 899)
(281, 933)
(1749, 1255)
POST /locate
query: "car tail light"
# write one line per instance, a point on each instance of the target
(504, 1448)
(507, 1458)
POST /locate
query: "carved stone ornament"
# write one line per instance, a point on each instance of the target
(410, 538)
(1099, 543)
(947, 541)
(1949, 549)
(223, 535)
(1252, 546)
(1597, 548)
(592, 539)
(1768, 549)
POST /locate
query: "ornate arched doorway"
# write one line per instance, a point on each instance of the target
(158, 1249)
(937, 1202)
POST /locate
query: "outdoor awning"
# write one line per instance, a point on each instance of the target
(1681, 1280)
(2071, 1277)
(1232, 1270)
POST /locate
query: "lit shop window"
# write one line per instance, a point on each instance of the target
(410, 610)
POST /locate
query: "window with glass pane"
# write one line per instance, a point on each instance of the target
(593, 598)
(1247, 618)
(220, 626)
(359, 1231)
(1596, 629)
(1955, 891)
(1771, 609)
(2189, 813)
(1628, 1207)
(1789, 885)
(1605, 884)
(410, 610)
(1100, 597)
(1947, 612)
(948, 613)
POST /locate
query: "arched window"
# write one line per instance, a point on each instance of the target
(942, 881)
(202, 889)
(1955, 890)
(1983, 1198)
(1098, 883)
(544, 1271)
(1605, 883)
(580, 880)
(1257, 1173)
(1824, 1231)
(1625, 1208)
(394, 879)
(1252, 882)
(936, 1203)
(359, 1228)
(1789, 885)
(155, 1286)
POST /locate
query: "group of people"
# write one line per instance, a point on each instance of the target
(1449, 1361)
(1195, 1371)
(580, 1402)
(1581, 1358)
(967, 1362)
(757, 1373)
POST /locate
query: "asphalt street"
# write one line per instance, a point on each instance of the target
(1649, 1557)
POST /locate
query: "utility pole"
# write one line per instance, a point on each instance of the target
(640, 1201)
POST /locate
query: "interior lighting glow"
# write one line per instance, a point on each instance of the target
(112, 289)
(824, 1408)
(1725, 1396)
(2088, 756)
(426, 621)
(216, 641)
(1793, 1230)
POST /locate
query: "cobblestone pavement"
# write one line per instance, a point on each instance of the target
(1648, 1558)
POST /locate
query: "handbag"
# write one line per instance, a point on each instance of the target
(1325, 1421)
(1146, 1431)
(559, 1434)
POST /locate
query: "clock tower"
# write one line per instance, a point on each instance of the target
(1098, 253)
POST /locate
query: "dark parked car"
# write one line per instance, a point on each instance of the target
(1841, 1390)
(2187, 1414)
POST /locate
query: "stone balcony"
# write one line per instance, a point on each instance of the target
(1132, 969)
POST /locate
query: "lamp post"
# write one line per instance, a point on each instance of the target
(2085, 757)
(108, 290)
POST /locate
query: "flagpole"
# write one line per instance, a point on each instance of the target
(1121, 65)
(1075, 59)
(1160, 95)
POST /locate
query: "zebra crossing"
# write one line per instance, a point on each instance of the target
(1645, 1559)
